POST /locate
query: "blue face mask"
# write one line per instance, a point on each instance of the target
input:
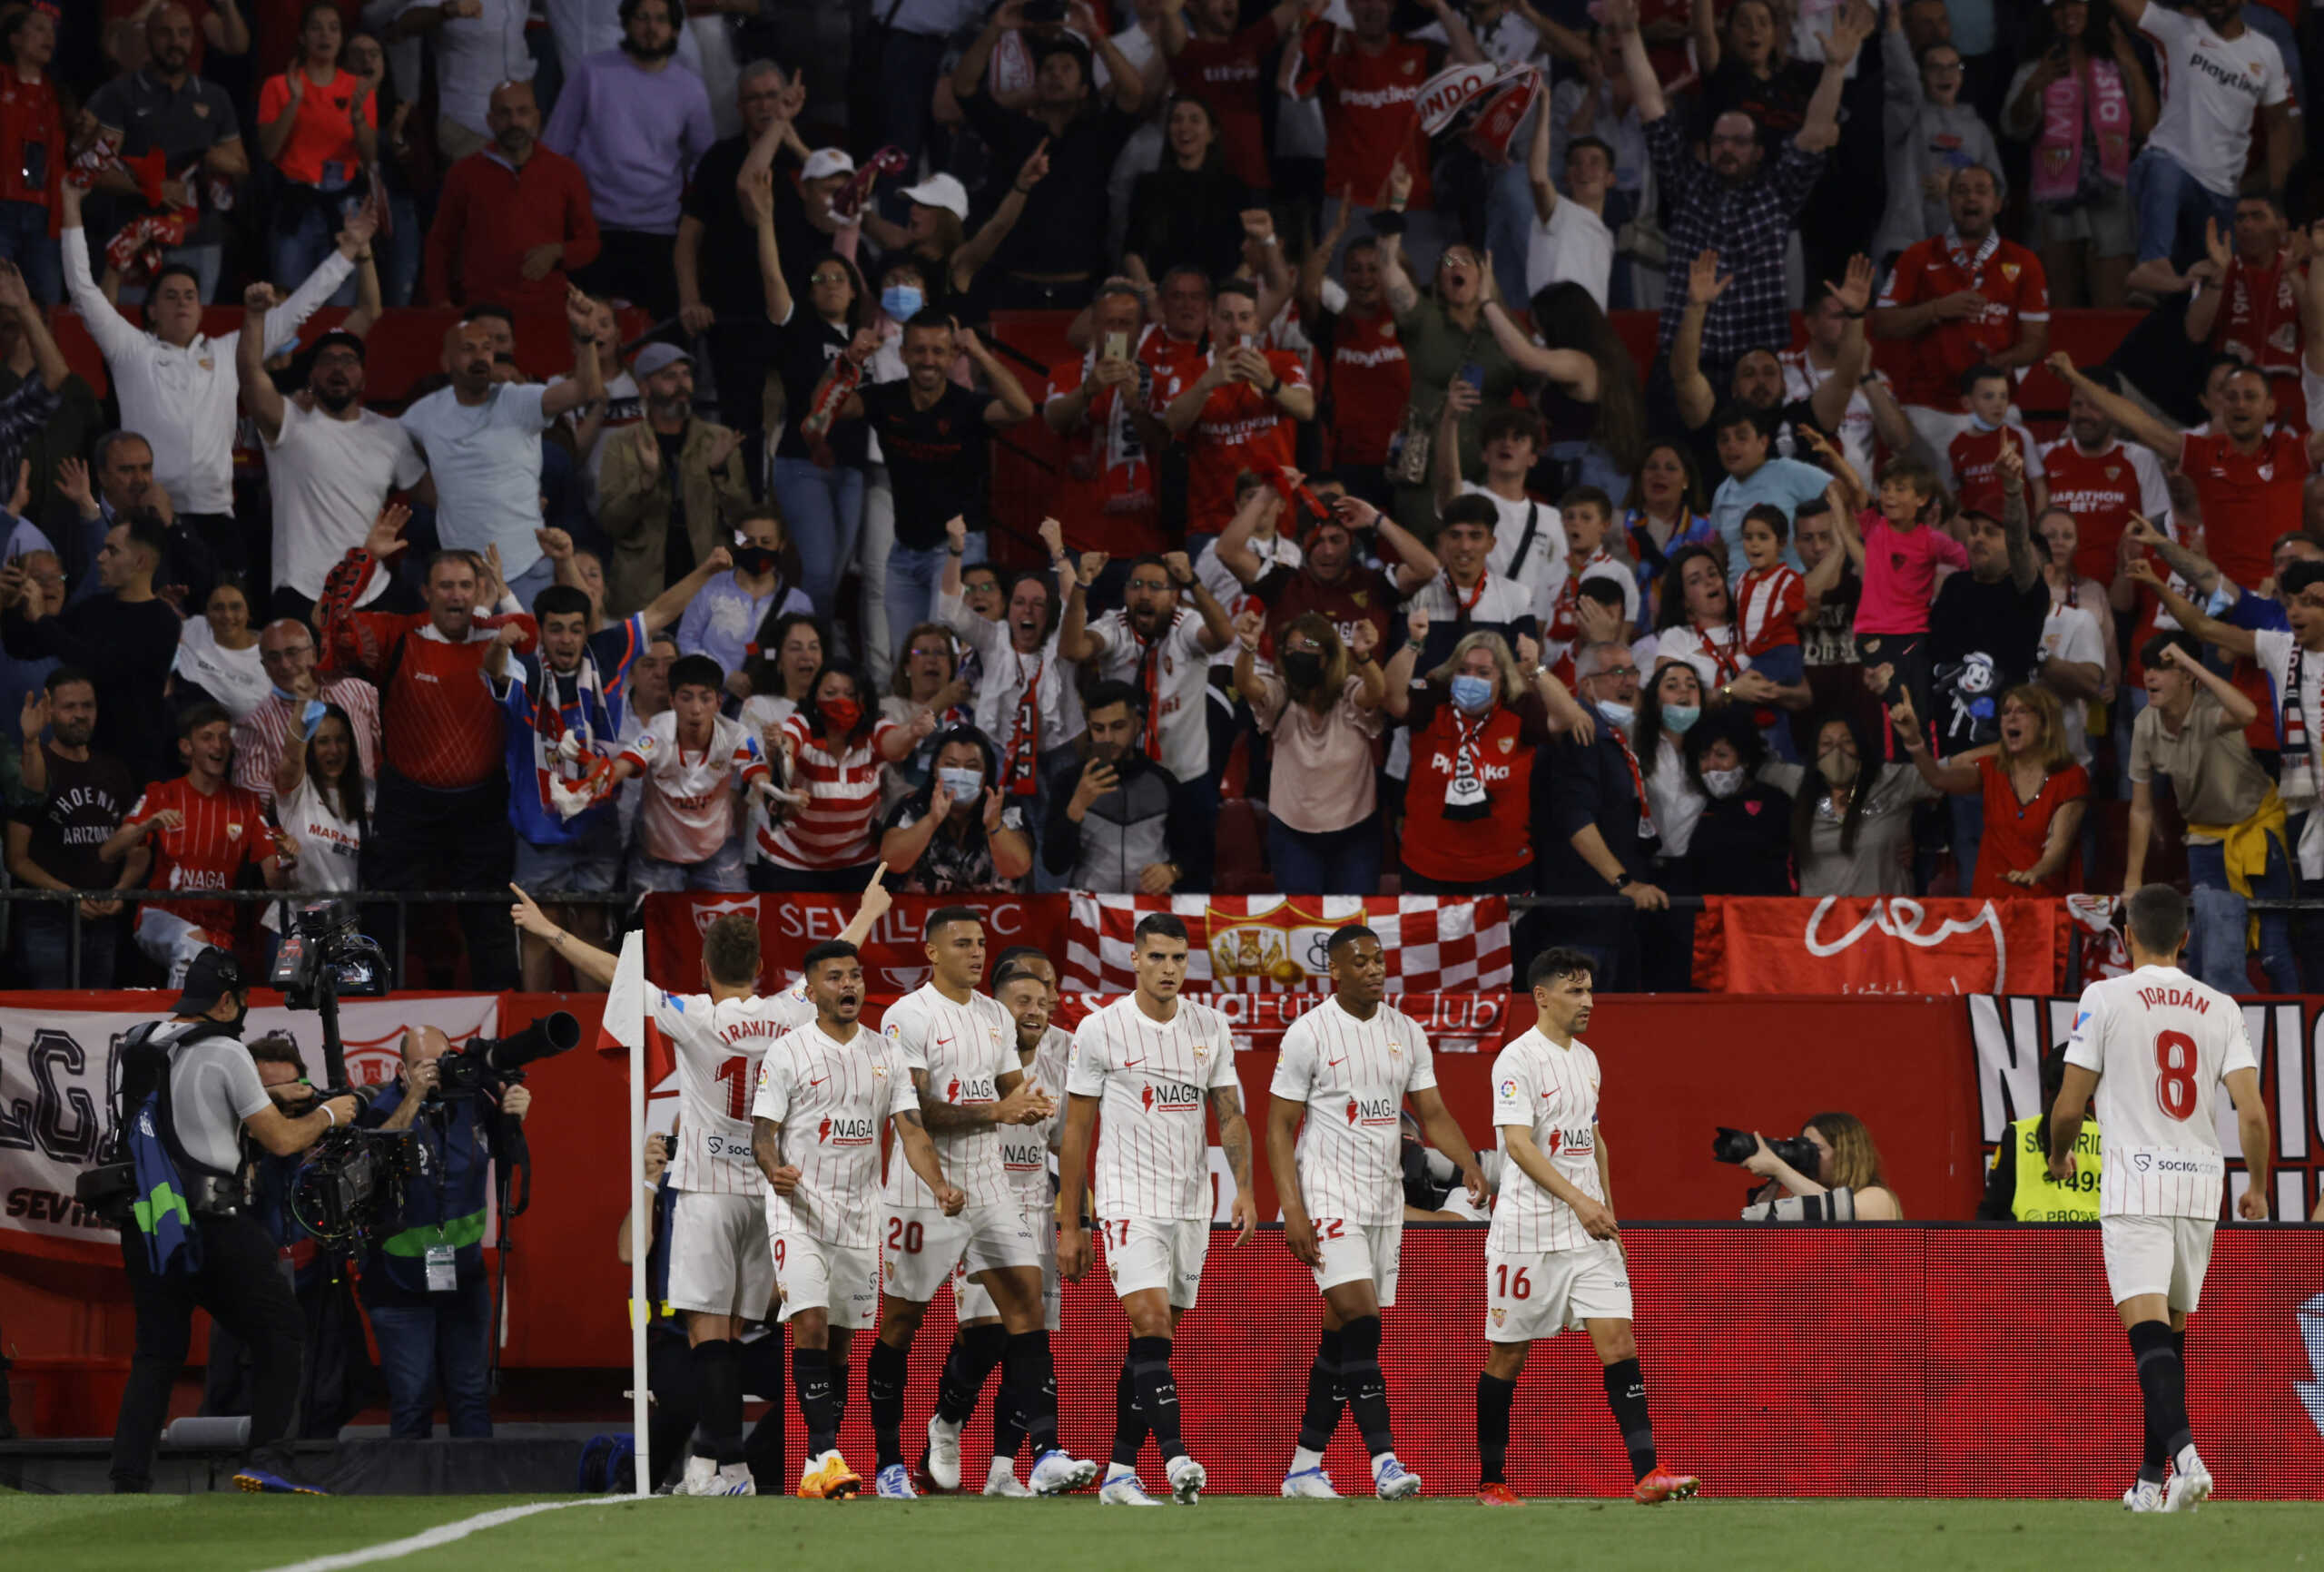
(1678, 719)
(901, 302)
(963, 785)
(1472, 693)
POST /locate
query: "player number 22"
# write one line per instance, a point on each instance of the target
(2174, 1079)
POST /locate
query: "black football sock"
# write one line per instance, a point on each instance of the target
(718, 1375)
(839, 1393)
(1158, 1393)
(1367, 1388)
(1008, 1425)
(884, 1374)
(975, 1351)
(1129, 1419)
(764, 1448)
(1626, 1395)
(810, 1372)
(2162, 1381)
(1029, 1378)
(1324, 1393)
(1495, 1398)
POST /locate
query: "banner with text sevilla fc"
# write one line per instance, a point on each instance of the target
(1881, 944)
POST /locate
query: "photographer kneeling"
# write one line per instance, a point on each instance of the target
(192, 1240)
(1847, 1184)
(424, 1285)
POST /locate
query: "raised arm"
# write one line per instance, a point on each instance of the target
(756, 189)
(971, 259)
(588, 383)
(1852, 359)
(2147, 430)
(1010, 402)
(1646, 87)
(259, 395)
(1958, 775)
(2235, 641)
(1697, 397)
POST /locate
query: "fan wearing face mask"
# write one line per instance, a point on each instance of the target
(958, 834)
(1851, 815)
(1742, 840)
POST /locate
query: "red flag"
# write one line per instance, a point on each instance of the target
(1889, 945)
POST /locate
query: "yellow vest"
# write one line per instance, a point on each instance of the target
(2042, 1199)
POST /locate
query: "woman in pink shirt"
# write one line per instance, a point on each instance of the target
(1902, 550)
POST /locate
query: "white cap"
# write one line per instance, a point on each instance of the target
(941, 191)
(826, 162)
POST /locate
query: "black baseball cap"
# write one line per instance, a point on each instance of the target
(212, 975)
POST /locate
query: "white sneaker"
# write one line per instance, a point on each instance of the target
(1125, 1489)
(1186, 1480)
(2190, 1487)
(701, 1477)
(2143, 1497)
(1392, 1481)
(894, 1484)
(1056, 1472)
(1309, 1485)
(733, 1479)
(943, 1459)
(1003, 1480)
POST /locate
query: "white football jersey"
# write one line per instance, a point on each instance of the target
(964, 1050)
(1025, 1148)
(1352, 1075)
(1152, 1080)
(1553, 1093)
(2160, 1042)
(830, 1099)
(718, 1045)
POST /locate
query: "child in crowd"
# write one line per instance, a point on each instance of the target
(1974, 454)
(1770, 601)
(1902, 549)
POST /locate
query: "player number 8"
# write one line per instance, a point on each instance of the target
(2174, 1081)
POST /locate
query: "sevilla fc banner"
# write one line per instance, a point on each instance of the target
(1456, 1023)
(894, 960)
(1262, 943)
(1887, 945)
(59, 1067)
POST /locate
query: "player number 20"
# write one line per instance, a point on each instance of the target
(1513, 1285)
(904, 1237)
(2174, 1079)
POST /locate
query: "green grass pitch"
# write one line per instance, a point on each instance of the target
(241, 1534)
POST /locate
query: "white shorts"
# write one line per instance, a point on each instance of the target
(973, 1302)
(1360, 1252)
(840, 1280)
(1535, 1294)
(719, 1258)
(920, 1246)
(172, 941)
(2166, 1256)
(1164, 1252)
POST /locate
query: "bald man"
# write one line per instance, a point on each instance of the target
(515, 218)
(424, 1283)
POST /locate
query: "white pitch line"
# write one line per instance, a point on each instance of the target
(443, 1534)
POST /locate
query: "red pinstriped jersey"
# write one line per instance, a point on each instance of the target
(1552, 1093)
(2161, 1042)
(1352, 1075)
(1153, 1080)
(718, 1048)
(963, 1050)
(829, 1099)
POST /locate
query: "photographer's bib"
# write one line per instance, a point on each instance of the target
(2160, 1182)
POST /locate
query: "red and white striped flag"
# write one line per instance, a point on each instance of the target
(1434, 944)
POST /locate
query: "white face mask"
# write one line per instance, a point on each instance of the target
(1622, 715)
(1722, 782)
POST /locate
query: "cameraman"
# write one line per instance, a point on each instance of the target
(226, 1381)
(210, 1095)
(424, 1284)
(1846, 1160)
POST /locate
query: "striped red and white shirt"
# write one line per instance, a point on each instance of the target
(1152, 1080)
(687, 811)
(223, 833)
(835, 828)
(2161, 1042)
(963, 1050)
(1769, 602)
(261, 736)
(1352, 1075)
(1552, 1093)
(1025, 1148)
(829, 1099)
(719, 1043)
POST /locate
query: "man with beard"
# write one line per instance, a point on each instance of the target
(637, 129)
(672, 489)
(116, 483)
(1118, 822)
(1162, 648)
(329, 462)
(2103, 481)
(514, 219)
(79, 796)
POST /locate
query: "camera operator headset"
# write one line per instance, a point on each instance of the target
(1847, 1183)
(424, 1283)
(2018, 1188)
(189, 1092)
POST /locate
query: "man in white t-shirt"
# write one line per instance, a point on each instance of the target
(482, 441)
(1163, 649)
(1569, 241)
(329, 462)
(2071, 661)
(2154, 1044)
(2219, 77)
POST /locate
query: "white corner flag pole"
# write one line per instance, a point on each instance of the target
(626, 1023)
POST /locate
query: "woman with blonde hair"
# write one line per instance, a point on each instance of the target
(1848, 1160)
(2034, 794)
(1320, 704)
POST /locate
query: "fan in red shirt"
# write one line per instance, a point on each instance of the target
(2249, 306)
(1237, 415)
(1212, 60)
(31, 138)
(1975, 452)
(1367, 377)
(2102, 481)
(1100, 407)
(1369, 80)
(514, 219)
(1965, 298)
(203, 832)
(442, 818)
(2248, 474)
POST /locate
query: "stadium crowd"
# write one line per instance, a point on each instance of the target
(1374, 559)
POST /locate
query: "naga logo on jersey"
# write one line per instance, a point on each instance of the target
(1371, 1111)
(968, 1093)
(844, 1132)
(1024, 1157)
(1171, 1098)
(1579, 1142)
